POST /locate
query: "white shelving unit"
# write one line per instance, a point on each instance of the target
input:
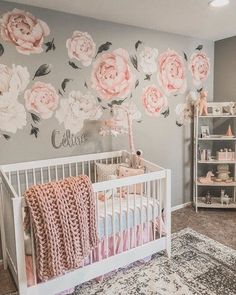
(200, 189)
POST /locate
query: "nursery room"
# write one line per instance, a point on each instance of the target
(117, 147)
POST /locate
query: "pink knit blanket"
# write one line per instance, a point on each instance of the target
(64, 222)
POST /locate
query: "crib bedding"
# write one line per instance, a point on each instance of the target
(128, 209)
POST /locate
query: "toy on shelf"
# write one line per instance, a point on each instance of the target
(223, 173)
(203, 103)
(225, 155)
(231, 108)
(208, 198)
(224, 198)
(207, 179)
(229, 132)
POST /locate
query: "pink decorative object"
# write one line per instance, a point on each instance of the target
(207, 179)
(229, 132)
(154, 101)
(112, 76)
(62, 239)
(203, 103)
(226, 155)
(42, 98)
(81, 47)
(199, 66)
(171, 75)
(24, 30)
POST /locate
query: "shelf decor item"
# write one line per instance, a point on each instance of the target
(205, 131)
(203, 103)
(207, 179)
(224, 198)
(208, 198)
(223, 173)
(217, 110)
(225, 155)
(222, 163)
(229, 132)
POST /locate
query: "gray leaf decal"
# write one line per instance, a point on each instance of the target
(136, 83)
(73, 65)
(103, 47)
(64, 83)
(134, 60)
(7, 137)
(199, 47)
(43, 70)
(185, 56)
(137, 44)
(1, 49)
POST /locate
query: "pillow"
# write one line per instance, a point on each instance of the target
(126, 172)
(104, 171)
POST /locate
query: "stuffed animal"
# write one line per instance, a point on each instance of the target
(202, 104)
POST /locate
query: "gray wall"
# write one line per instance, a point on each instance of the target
(161, 140)
(225, 70)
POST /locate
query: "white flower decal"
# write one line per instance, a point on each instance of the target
(148, 60)
(12, 82)
(77, 108)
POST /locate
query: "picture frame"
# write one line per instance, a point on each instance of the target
(205, 131)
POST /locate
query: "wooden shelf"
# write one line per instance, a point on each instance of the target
(216, 162)
(215, 204)
(226, 184)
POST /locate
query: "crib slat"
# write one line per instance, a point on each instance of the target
(41, 175)
(141, 208)
(155, 202)
(160, 206)
(106, 221)
(113, 223)
(18, 183)
(127, 220)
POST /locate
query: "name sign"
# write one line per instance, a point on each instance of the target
(66, 139)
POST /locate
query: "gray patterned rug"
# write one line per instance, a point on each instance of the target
(199, 266)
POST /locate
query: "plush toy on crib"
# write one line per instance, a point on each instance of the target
(202, 104)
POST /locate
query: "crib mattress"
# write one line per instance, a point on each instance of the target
(127, 213)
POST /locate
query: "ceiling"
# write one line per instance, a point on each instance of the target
(186, 17)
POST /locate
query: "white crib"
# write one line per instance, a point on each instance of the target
(16, 178)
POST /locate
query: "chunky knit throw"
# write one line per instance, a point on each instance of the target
(64, 222)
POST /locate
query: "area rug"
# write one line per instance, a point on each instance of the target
(199, 266)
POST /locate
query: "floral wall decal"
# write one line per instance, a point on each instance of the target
(81, 47)
(148, 60)
(13, 82)
(42, 99)
(171, 73)
(154, 101)
(77, 108)
(199, 66)
(118, 124)
(24, 30)
(112, 76)
(185, 111)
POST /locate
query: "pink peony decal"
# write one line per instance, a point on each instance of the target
(171, 72)
(154, 101)
(199, 66)
(24, 30)
(112, 76)
(42, 98)
(81, 47)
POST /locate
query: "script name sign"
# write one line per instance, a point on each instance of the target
(66, 139)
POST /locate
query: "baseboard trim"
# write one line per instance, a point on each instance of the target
(180, 206)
